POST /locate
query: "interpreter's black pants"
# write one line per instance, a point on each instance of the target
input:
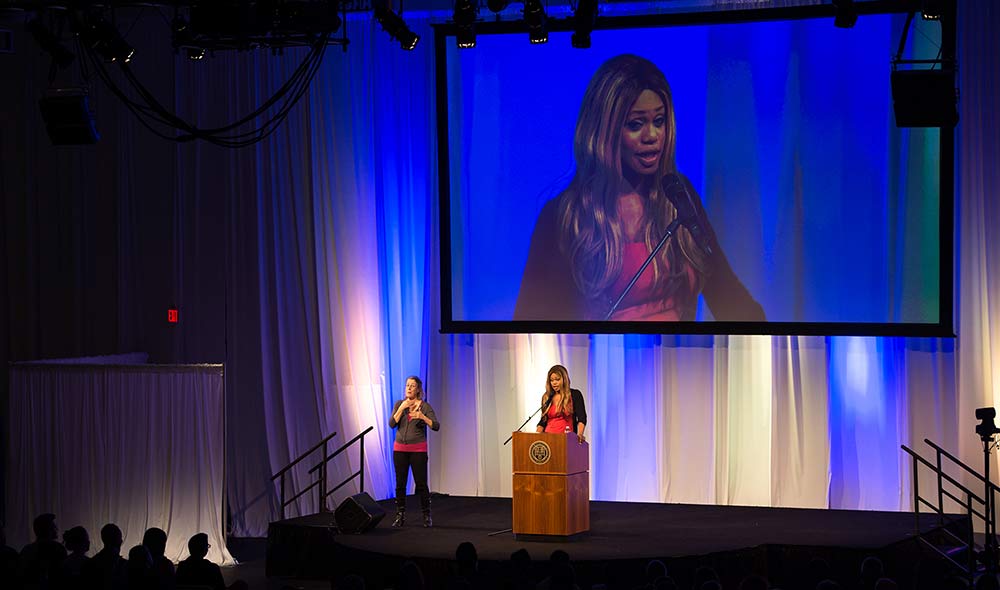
(417, 462)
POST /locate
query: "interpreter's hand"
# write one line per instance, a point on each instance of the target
(416, 415)
(407, 402)
(581, 439)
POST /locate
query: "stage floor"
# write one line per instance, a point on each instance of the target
(627, 530)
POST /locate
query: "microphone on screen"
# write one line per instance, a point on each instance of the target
(687, 211)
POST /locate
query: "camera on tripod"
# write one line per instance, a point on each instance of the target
(986, 427)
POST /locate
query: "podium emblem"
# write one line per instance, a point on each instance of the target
(539, 452)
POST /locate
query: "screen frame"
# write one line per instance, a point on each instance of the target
(944, 328)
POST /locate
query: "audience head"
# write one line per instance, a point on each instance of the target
(987, 582)
(563, 577)
(156, 541)
(710, 585)
(76, 540)
(871, 571)
(753, 582)
(140, 564)
(559, 556)
(885, 584)
(198, 545)
(350, 582)
(655, 570)
(411, 578)
(45, 527)
(465, 555)
(828, 585)
(818, 570)
(704, 574)
(521, 556)
(111, 536)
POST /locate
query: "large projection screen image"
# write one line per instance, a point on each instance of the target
(767, 153)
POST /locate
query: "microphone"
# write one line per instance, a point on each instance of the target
(687, 211)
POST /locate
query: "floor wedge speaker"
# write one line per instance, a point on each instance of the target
(358, 514)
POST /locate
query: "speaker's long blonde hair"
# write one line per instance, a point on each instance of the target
(591, 236)
(566, 401)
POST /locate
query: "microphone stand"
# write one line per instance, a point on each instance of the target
(671, 229)
(511, 437)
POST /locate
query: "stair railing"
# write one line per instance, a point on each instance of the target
(284, 470)
(360, 473)
(972, 503)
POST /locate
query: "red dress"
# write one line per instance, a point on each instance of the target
(558, 422)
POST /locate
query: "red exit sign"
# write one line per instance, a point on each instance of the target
(172, 316)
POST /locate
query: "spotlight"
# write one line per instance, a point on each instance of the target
(986, 427)
(62, 56)
(195, 53)
(534, 17)
(105, 39)
(583, 21)
(932, 9)
(393, 24)
(465, 18)
(846, 15)
(497, 6)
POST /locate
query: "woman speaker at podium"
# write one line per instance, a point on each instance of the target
(563, 409)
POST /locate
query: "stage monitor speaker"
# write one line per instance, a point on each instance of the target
(68, 120)
(358, 514)
(924, 98)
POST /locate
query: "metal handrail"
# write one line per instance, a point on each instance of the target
(971, 471)
(322, 468)
(970, 566)
(360, 473)
(943, 475)
(285, 469)
(342, 448)
(302, 456)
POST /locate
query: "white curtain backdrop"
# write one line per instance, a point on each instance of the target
(137, 445)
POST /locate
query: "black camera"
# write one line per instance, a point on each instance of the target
(986, 427)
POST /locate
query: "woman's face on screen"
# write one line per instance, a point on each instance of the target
(555, 380)
(643, 135)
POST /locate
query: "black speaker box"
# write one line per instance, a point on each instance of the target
(358, 514)
(68, 120)
(924, 98)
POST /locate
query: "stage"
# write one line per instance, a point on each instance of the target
(622, 534)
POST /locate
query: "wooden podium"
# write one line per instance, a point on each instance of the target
(551, 485)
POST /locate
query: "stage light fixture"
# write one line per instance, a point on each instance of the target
(61, 56)
(583, 21)
(847, 14)
(67, 117)
(105, 39)
(465, 20)
(195, 53)
(393, 24)
(497, 6)
(932, 9)
(534, 17)
(924, 98)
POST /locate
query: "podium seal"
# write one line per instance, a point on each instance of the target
(539, 452)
